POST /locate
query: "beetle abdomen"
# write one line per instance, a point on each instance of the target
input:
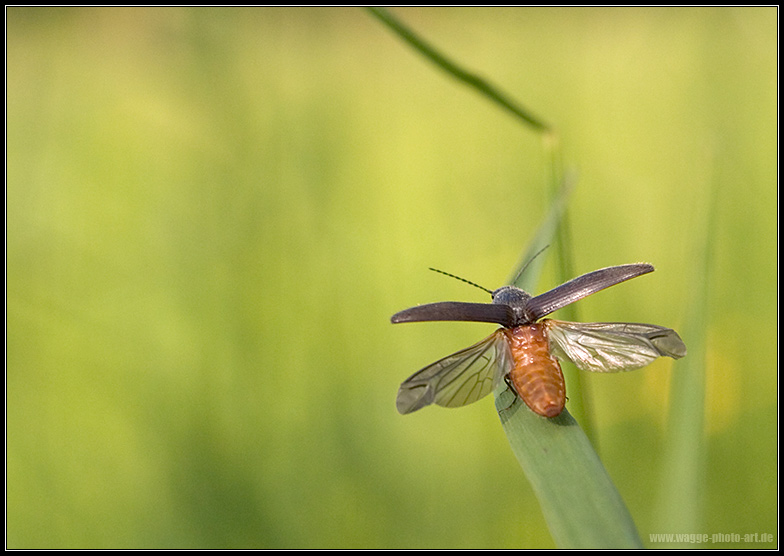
(536, 375)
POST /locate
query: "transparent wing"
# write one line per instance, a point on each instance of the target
(459, 379)
(608, 347)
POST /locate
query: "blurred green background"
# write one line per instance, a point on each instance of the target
(212, 213)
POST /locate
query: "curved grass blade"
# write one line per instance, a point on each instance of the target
(579, 501)
(545, 233)
(681, 503)
(581, 505)
(455, 70)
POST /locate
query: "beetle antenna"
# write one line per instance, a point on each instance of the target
(529, 262)
(462, 280)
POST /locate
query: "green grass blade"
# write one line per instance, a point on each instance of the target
(544, 235)
(552, 230)
(578, 396)
(681, 496)
(468, 78)
(581, 505)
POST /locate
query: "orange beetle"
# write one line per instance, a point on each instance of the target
(524, 353)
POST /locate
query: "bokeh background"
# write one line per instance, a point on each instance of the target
(212, 213)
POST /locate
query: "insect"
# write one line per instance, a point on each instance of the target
(524, 353)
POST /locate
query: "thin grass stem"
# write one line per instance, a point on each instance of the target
(472, 80)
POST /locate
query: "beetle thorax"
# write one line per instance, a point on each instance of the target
(517, 300)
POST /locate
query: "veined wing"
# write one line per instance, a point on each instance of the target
(608, 347)
(459, 379)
